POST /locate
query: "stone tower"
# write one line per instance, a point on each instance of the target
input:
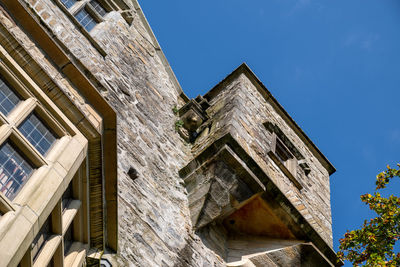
(104, 160)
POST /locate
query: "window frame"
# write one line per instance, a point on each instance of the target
(290, 161)
(41, 194)
(43, 121)
(290, 165)
(62, 220)
(29, 103)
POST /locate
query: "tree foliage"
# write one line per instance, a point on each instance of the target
(373, 244)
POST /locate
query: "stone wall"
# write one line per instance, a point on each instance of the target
(154, 220)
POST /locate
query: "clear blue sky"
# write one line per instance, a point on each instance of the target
(333, 65)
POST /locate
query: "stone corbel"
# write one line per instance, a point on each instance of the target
(193, 115)
(227, 187)
(220, 186)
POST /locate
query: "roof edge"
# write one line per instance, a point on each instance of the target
(245, 69)
(159, 51)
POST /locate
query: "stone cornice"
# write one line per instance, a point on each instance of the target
(229, 151)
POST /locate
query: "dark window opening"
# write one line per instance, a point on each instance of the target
(41, 238)
(282, 152)
(66, 198)
(68, 239)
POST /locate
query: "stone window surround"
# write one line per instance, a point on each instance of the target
(104, 129)
(54, 169)
(288, 167)
(295, 159)
(284, 154)
(106, 4)
(71, 15)
(9, 127)
(61, 221)
(80, 4)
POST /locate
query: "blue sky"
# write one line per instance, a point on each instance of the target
(333, 65)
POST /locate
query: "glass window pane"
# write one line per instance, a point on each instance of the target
(37, 133)
(85, 19)
(14, 171)
(68, 3)
(96, 5)
(8, 99)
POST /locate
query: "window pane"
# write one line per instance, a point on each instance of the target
(85, 19)
(282, 152)
(68, 3)
(68, 239)
(37, 133)
(14, 171)
(96, 5)
(8, 99)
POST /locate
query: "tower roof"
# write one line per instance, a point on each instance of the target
(244, 69)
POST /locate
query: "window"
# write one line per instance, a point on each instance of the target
(68, 3)
(16, 155)
(96, 5)
(39, 152)
(68, 239)
(14, 171)
(8, 98)
(285, 159)
(37, 133)
(66, 198)
(85, 19)
(87, 12)
(285, 156)
(41, 238)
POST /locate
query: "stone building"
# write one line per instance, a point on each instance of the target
(104, 160)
